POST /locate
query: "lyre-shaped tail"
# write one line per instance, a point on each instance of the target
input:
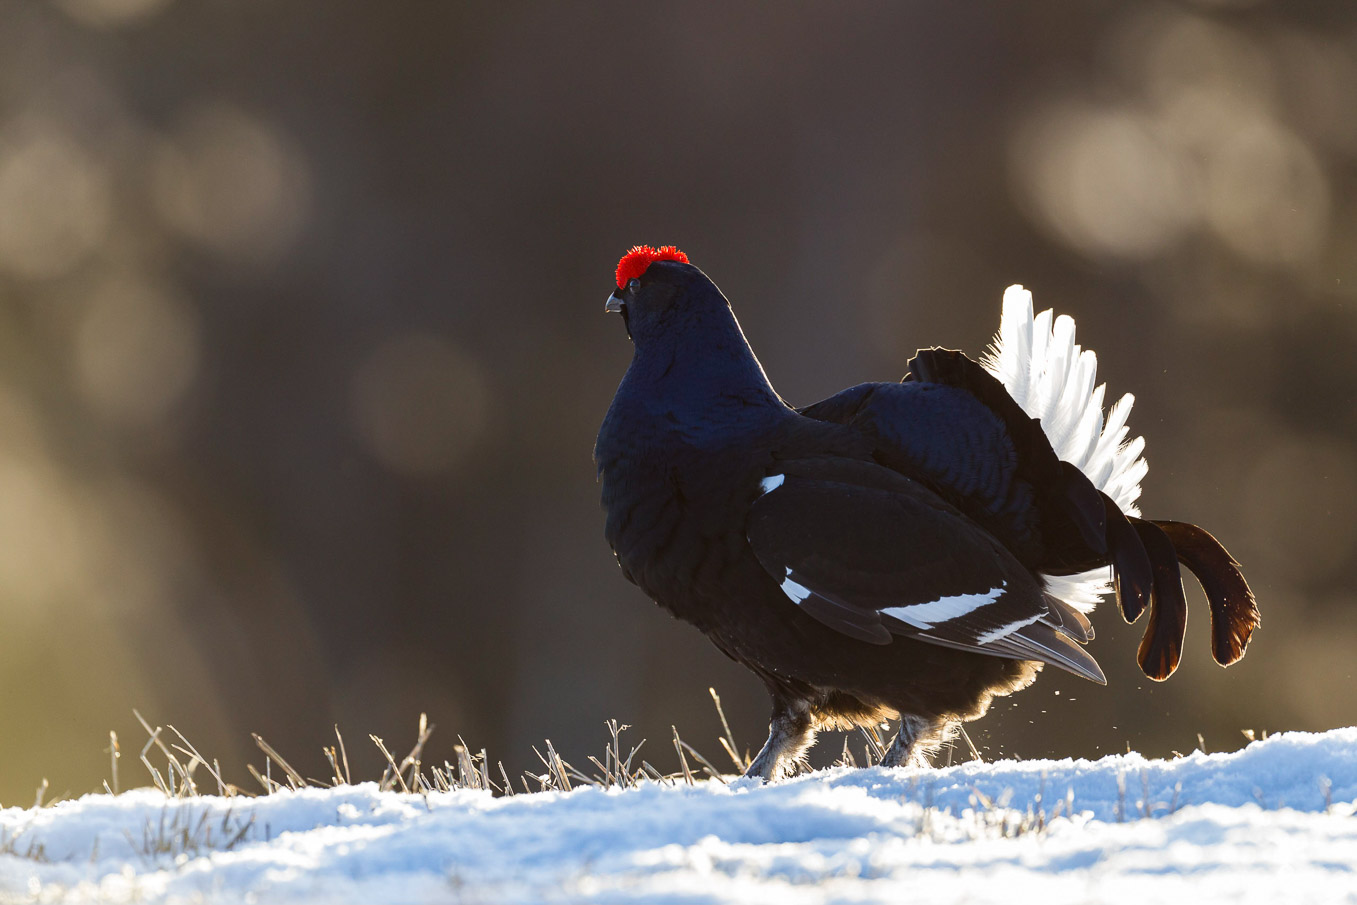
(1054, 380)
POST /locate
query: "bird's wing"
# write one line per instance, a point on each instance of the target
(953, 426)
(947, 438)
(874, 555)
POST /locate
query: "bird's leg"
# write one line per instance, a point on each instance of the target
(915, 740)
(789, 735)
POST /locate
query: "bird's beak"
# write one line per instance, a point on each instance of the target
(614, 305)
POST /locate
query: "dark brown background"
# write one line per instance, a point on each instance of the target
(302, 350)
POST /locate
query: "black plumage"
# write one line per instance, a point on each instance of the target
(881, 553)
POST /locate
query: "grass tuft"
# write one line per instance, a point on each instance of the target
(17, 845)
(181, 833)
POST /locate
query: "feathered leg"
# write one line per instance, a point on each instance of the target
(916, 738)
(789, 735)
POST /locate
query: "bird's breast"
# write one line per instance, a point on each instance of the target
(676, 512)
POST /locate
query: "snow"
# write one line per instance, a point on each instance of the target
(1272, 822)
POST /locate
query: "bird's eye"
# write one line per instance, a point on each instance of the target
(633, 285)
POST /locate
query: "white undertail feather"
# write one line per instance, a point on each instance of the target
(1038, 362)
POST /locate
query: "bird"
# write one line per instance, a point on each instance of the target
(898, 551)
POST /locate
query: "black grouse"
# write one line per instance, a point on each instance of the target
(899, 550)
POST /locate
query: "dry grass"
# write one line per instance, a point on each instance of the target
(620, 766)
(18, 845)
(180, 771)
(182, 832)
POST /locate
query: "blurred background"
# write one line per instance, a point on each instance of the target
(302, 349)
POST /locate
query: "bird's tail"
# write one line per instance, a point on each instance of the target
(1036, 359)
(1054, 380)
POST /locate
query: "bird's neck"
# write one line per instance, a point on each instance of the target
(708, 364)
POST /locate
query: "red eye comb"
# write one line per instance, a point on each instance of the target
(635, 262)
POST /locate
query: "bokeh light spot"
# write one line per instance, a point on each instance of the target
(44, 547)
(136, 350)
(1183, 52)
(419, 404)
(110, 13)
(1267, 196)
(1103, 181)
(231, 183)
(54, 200)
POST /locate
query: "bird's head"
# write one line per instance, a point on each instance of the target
(656, 288)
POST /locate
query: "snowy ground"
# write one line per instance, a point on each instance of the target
(1272, 823)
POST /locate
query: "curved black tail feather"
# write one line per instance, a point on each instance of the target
(1234, 611)
(1145, 556)
(1132, 574)
(1162, 645)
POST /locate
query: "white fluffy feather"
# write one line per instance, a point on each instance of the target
(1037, 360)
